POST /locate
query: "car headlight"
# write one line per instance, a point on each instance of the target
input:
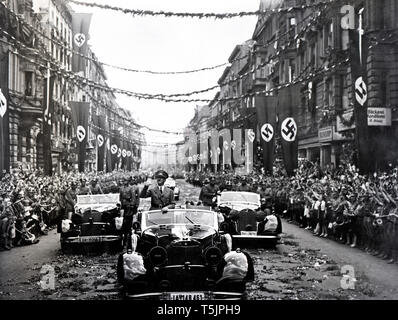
(213, 256)
(158, 256)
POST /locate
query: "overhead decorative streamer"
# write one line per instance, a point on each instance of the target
(199, 15)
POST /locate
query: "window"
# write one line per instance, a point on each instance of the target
(292, 70)
(328, 92)
(313, 54)
(344, 92)
(28, 83)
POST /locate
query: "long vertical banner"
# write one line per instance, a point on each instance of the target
(4, 113)
(108, 147)
(48, 119)
(287, 100)
(80, 29)
(80, 112)
(358, 56)
(115, 149)
(266, 116)
(101, 143)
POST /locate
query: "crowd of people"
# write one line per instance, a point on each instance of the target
(340, 204)
(31, 203)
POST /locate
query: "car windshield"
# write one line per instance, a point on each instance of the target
(194, 217)
(239, 197)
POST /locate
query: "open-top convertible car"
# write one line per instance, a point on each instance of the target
(95, 227)
(171, 183)
(180, 254)
(246, 221)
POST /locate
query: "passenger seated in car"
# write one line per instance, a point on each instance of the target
(269, 224)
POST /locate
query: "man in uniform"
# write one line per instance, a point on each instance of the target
(95, 188)
(206, 182)
(130, 200)
(209, 191)
(161, 196)
(244, 187)
(83, 189)
(70, 199)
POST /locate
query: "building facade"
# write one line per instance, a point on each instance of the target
(310, 48)
(37, 43)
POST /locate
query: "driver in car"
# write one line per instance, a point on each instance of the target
(161, 196)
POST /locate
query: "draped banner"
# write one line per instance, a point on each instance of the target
(360, 97)
(80, 29)
(4, 113)
(129, 155)
(48, 119)
(266, 116)
(80, 111)
(123, 164)
(288, 100)
(108, 152)
(101, 143)
(115, 149)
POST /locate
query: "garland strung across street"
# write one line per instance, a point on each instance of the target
(70, 50)
(199, 15)
(84, 81)
(145, 95)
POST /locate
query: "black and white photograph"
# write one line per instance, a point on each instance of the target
(180, 150)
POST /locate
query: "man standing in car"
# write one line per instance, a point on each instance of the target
(209, 191)
(70, 199)
(129, 198)
(161, 196)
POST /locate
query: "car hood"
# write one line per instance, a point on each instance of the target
(181, 231)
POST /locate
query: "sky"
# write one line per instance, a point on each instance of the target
(166, 44)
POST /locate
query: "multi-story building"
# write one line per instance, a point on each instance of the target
(311, 40)
(309, 47)
(36, 40)
(56, 23)
(25, 83)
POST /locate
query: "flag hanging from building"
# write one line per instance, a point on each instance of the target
(123, 164)
(129, 155)
(48, 119)
(80, 112)
(101, 143)
(115, 149)
(358, 56)
(288, 100)
(266, 115)
(108, 152)
(4, 114)
(80, 29)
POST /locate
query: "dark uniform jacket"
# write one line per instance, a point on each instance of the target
(129, 196)
(70, 198)
(84, 190)
(95, 189)
(158, 199)
(207, 193)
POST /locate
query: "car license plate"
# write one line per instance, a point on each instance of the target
(187, 296)
(91, 239)
(248, 233)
